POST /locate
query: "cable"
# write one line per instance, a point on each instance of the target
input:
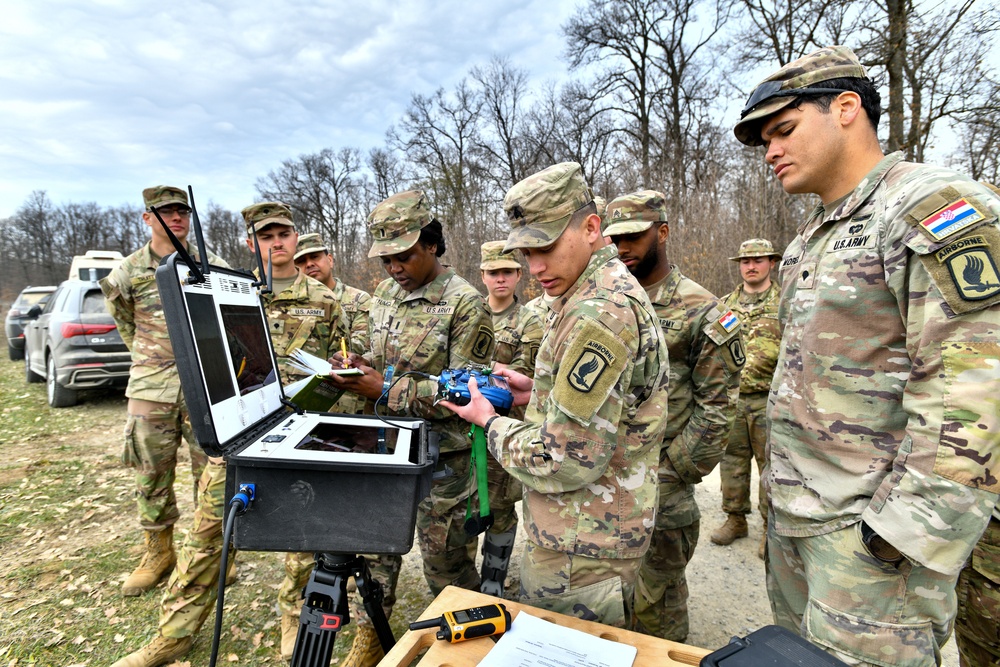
(385, 395)
(238, 504)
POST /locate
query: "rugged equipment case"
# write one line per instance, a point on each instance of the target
(771, 646)
(339, 502)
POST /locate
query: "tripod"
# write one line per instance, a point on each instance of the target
(325, 610)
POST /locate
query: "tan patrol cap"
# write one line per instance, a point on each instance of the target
(780, 89)
(259, 216)
(310, 243)
(395, 223)
(635, 212)
(164, 195)
(756, 248)
(494, 257)
(540, 206)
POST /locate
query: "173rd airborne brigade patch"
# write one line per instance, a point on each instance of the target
(596, 360)
(964, 268)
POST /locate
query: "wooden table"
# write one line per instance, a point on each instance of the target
(652, 651)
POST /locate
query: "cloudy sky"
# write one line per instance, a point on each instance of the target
(102, 98)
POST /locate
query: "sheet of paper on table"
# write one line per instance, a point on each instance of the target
(533, 642)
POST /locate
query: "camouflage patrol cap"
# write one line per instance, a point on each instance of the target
(779, 90)
(601, 204)
(635, 212)
(540, 206)
(259, 216)
(163, 195)
(755, 248)
(310, 243)
(494, 257)
(396, 222)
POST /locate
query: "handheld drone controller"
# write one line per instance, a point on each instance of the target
(454, 387)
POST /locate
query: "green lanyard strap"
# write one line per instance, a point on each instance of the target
(475, 525)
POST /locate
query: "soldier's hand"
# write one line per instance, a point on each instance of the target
(368, 385)
(477, 411)
(519, 383)
(353, 360)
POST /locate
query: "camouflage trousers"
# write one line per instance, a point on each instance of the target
(505, 491)
(153, 435)
(193, 585)
(594, 589)
(298, 568)
(746, 444)
(977, 626)
(661, 591)
(448, 553)
(828, 589)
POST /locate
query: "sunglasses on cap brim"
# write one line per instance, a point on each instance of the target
(771, 89)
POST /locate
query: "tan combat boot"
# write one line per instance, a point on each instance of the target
(157, 562)
(366, 651)
(289, 633)
(734, 528)
(160, 651)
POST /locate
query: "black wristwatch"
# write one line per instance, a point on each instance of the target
(878, 547)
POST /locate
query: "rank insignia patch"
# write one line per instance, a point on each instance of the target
(974, 273)
(953, 217)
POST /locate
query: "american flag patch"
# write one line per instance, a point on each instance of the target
(729, 321)
(950, 219)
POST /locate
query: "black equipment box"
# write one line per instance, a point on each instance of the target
(341, 484)
(771, 646)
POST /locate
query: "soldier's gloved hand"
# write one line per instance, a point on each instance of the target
(477, 411)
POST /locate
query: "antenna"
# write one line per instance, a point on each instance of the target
(270, 271)
(196, 275)
(199, 237)
(261, 281)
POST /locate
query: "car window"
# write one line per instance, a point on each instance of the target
(57, 300)
(29, 299)
(93, 303)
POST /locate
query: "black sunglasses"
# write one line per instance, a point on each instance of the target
(771, 89)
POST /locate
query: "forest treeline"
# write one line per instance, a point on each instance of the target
(650, 106)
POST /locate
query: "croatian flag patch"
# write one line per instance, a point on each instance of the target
(950, 219)
(729, 321)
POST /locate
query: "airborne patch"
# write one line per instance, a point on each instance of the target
(589, 366)
(965, 271)
(950, 219)
(484, 342)
(974, 273)
(595, 360)
(736, 349)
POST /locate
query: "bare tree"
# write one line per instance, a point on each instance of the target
(779, 31)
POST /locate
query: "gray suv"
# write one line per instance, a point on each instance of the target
(14, 323)
(72, 344)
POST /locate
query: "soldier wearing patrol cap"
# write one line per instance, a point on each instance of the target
(884, 413)
(313, 258)
(755, 302)
(424, 318)
(597, 411)
(706, 355)
(518, 332)
(157, 416)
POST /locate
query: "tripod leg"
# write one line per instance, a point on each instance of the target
(324, 612)
(372, 595)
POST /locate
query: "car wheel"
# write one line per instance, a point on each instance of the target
(15, 353)
(59, 396)
(30, 376)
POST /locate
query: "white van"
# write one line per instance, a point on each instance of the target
(102, 262)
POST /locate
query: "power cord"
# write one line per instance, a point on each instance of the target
(238, 504)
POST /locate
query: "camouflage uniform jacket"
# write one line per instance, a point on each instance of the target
(761, 337)
(518, 332)
(885, 402)
(134, 301)
(706, 354)
(354, 304)
(304, 316)
(587, 450)
(444, 324)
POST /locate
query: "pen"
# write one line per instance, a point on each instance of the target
(343, 349)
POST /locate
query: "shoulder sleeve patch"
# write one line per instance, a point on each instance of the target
(591, 367)
(725, 330)
(945, 213)
(965, 271)
(482, 347)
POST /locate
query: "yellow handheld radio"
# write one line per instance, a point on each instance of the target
(457, 626)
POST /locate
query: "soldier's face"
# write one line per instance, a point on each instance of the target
(318, 265)
(755, 270)
(643, 251)
(804, 149)
(178, 219)
(500, 283)
(558, 266)
(279, 241)
(412, 268)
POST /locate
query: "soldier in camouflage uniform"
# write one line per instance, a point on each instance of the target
(314, 259)
(518, 333)
(884, 413)
(588, 446)
(302, 313)
(706, 354)
(157, 416)
(755, 302)
(428, 319)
